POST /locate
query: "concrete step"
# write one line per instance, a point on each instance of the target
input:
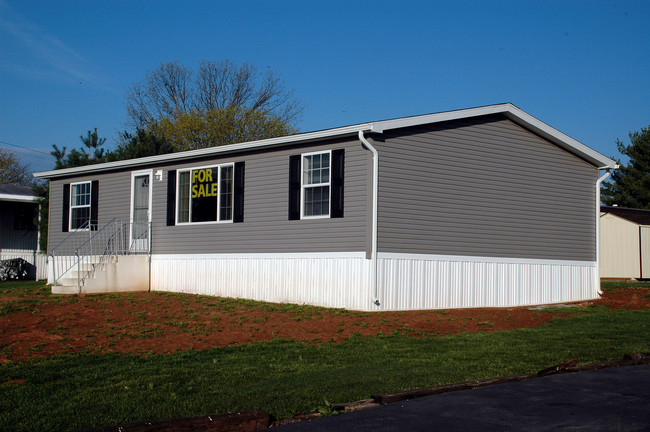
(65, 289)
(68, 281)
(131, 273)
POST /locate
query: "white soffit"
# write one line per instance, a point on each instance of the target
(509, 110)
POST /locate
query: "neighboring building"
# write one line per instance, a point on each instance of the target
(18, 230)
(478, 207)
(624, 243)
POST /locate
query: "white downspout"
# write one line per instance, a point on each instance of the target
(598, 183)
(375, 189)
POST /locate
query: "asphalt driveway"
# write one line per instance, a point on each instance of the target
(614, 399)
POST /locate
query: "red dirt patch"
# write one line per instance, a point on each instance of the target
(153, 323)
(633, 298)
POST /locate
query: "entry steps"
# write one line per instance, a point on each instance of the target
(114, 274)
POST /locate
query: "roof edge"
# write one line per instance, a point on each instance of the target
(191, 154)
(515, 114)
(598, 159)
(508, 109)
(17, 198)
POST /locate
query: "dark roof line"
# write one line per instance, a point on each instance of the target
(638, 216)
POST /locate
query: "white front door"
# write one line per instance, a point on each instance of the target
(140, 211)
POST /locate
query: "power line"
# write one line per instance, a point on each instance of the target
(49, 156)
(26, 148)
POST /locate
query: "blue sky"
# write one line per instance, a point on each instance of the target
(580, 66)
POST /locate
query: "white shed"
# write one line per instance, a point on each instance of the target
(624, 243)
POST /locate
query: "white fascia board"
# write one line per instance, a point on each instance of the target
(513, 113)
(508, 109)
(563, 140)
(191, 154)
(17, 198)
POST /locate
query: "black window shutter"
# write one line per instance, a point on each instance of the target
(94, 205)
(338, 170)
(65, 218)
(294, 187)
(171, 197)
(238, 199)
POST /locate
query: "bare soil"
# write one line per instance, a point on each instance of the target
(157, 323)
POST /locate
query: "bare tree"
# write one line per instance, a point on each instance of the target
(12, 171)
(173, 90)
(165, 92)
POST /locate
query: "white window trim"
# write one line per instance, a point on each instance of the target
(218, 221)
(135, 174)
(302, 186)
(89, 205)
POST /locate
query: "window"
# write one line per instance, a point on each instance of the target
(80, 205)
(205, 194)
(316, 185)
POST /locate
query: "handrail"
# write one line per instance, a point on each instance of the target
(103, 238)
(83, 227)
(114, 239)
(63, 243)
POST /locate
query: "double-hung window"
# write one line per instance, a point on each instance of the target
(316, 182)
(80, 202)
(316, 185)
(205, 194)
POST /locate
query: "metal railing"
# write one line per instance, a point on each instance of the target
(80, 256)
(65, 251)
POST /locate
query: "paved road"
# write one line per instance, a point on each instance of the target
(615, 399)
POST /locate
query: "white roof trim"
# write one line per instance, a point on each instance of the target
(509, 110)
(513, 113)
(191, 154)
(17, 198)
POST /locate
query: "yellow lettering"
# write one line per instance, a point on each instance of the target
(202, 184)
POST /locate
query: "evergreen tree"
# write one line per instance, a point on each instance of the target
(42, 193)
(93, 144)
(91, 154)
(630, 184)
(142, 143)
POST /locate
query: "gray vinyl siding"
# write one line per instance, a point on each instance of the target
(114, 202)
(266, 227)
(483, 187)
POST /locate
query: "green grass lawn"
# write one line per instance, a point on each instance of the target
(284, 377)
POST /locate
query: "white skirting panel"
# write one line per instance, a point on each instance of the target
(405, 281)
(408, 281)
(331, 280)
